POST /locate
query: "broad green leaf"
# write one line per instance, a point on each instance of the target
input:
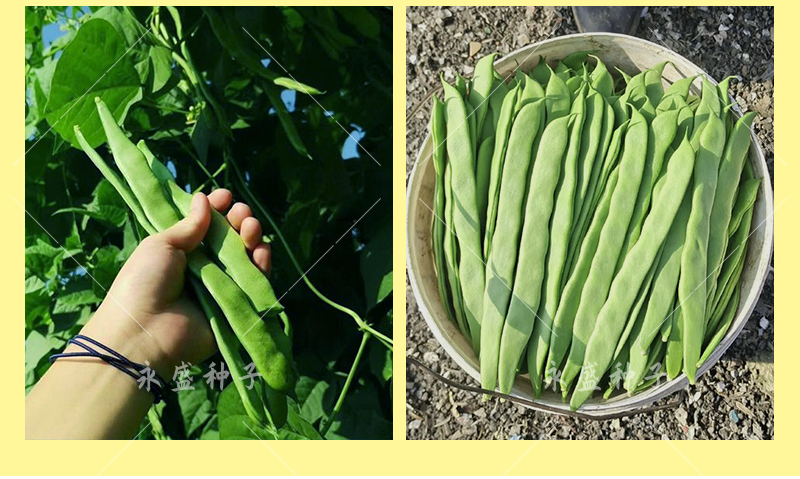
(72, 302)
(84, 72)
(376, 266)
(301, 426)
(43, 259)
(297, 86)
(313, 406)
(161, 58)
(380, 363)
(37, 302)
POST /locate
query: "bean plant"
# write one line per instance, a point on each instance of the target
(290, 109)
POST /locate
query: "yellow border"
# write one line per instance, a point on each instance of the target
(399, 456)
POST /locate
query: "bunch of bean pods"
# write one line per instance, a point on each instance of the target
(589, 231)
(235, 296)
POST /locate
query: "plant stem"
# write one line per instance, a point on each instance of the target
(347, 382)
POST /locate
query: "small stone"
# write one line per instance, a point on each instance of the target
(721, 386)
(734, 417)
(414, 424)
(430, 357)
(763, 323)
(474, 47)
(412, 59)
(681, 415)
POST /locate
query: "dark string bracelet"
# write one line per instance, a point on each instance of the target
(120, 362)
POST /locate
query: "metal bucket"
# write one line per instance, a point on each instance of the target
(631, 55)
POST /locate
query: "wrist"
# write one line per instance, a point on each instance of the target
(128, 337)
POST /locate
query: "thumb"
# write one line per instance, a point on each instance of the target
(187, 233)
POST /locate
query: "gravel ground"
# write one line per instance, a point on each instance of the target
(735, 399)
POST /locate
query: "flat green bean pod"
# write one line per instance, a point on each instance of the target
(601, 79)
(665, 284)
(451, 257)
(263, 338)
(503, 257)
(528, 287)
(504, 122)
(726, 320)
(692, 282)
(134, 167)
(610, 320)
(482, 83)
(730, 171)
(466, 218)
(595, 289)
(560, 229)
(571, 295)
(438, 132)
(748, 192)
(557, 98)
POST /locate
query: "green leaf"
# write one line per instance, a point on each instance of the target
(363, 21)
(301, 426)
(313, 407)
(380, 363)
(234, 423)
(297, 86)
(37, 302)
(84, 72)
(376, 266)
(196, 407)
(161, 59)
(72, 302)
(43, 259)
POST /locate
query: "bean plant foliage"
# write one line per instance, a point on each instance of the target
(207, 90)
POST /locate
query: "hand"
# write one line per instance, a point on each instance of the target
(146, 315)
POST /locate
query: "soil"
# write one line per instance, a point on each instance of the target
(735, 399)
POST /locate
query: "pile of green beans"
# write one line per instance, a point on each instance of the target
(589, 231)
(237, 298)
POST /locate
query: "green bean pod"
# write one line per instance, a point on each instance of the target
(692, 282)
(560, 229)
(263, 338)
(660, 134)
(466, 223)
(557, 98)
(228, 345)
(727, 319)
(665, 285)
(623, 291)
(528, 287)
(482, 82)
(438, 132)
(595, 289)
(730, 171)
(503, 257)
(504, 122)
(118, 183)
(134, 167)
(450, 250)
(571, 295)
(745, 200)
(601, 79)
